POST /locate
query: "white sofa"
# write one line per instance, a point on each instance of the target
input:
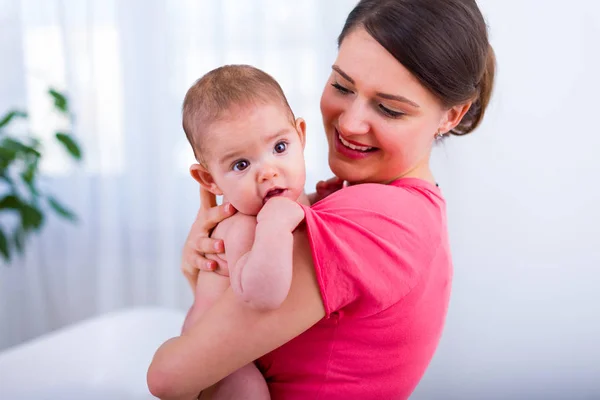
(102, 358)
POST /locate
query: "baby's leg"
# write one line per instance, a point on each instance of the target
(191, 317)
(247, 383)
(209, 287)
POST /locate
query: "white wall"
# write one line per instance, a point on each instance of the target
(524, 210)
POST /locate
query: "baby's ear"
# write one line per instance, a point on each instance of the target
(301, 129)
(205, 179)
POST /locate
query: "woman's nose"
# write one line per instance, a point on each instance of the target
(353, 120)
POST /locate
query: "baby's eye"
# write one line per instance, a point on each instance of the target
(241, 165)
(280, 147)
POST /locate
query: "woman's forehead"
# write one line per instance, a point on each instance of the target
(368, 62)
(373, 69)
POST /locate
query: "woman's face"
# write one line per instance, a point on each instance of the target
(379, 120)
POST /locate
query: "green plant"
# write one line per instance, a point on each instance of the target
(23, 202)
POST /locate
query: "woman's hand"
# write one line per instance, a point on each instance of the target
(198, 242)
(325, 188)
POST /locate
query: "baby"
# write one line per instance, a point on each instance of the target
(249, 148)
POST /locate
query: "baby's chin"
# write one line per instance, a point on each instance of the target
(248, 209)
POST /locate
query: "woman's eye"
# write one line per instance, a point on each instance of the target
(280, 147)
(340, 88)
(390, 113)
(241, 165)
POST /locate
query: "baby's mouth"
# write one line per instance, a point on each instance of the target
(273, 193)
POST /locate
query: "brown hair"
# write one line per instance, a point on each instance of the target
(214, 94)
(443, 43)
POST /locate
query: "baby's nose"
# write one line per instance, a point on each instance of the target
(267, 172)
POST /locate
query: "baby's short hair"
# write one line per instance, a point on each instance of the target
(215, 93)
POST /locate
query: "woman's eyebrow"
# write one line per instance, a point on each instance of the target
(401, 99)
(342, 73)
(387, 96)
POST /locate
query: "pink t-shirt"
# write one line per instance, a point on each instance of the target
(383, 265)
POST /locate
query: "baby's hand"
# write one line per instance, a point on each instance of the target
(281, 211)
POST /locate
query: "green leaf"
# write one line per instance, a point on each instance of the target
(13, 145)
(60, 101)
(10, 144)
(12, 202)
(29, 177)
(35, 143)
(10, 115)
(7, 179)
(33, 190)
(7, 156)
(70, 144)
(4, 246)
(19, 239)
(61, 210)
(31, 217)
(29, 174)
(7, 152)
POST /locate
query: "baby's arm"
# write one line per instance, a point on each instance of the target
(261, 276)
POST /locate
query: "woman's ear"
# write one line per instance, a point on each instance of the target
(205, 179)
(301, 129)
(453, 117)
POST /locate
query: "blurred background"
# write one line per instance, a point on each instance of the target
(522, 191)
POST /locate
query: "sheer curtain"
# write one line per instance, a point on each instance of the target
(126, 67)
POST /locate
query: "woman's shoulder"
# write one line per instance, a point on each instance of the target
(373, 242)
(401, 199)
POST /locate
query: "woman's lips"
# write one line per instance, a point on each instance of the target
(350, 149)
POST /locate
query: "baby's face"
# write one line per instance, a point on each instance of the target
(256, 154)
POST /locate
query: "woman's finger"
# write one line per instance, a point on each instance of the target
(206, 245)
(194, 262)
(217, 214)
(190, 272)
(329, 186)
(207, 199)
(198, 242)
(331, 183)
(204, 264)
(334, 182)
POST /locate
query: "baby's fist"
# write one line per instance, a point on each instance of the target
(281, 211)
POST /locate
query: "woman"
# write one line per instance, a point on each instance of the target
(372, 266)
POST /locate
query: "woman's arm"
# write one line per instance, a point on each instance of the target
(230, 335)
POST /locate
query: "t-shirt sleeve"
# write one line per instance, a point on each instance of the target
(368, 244)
